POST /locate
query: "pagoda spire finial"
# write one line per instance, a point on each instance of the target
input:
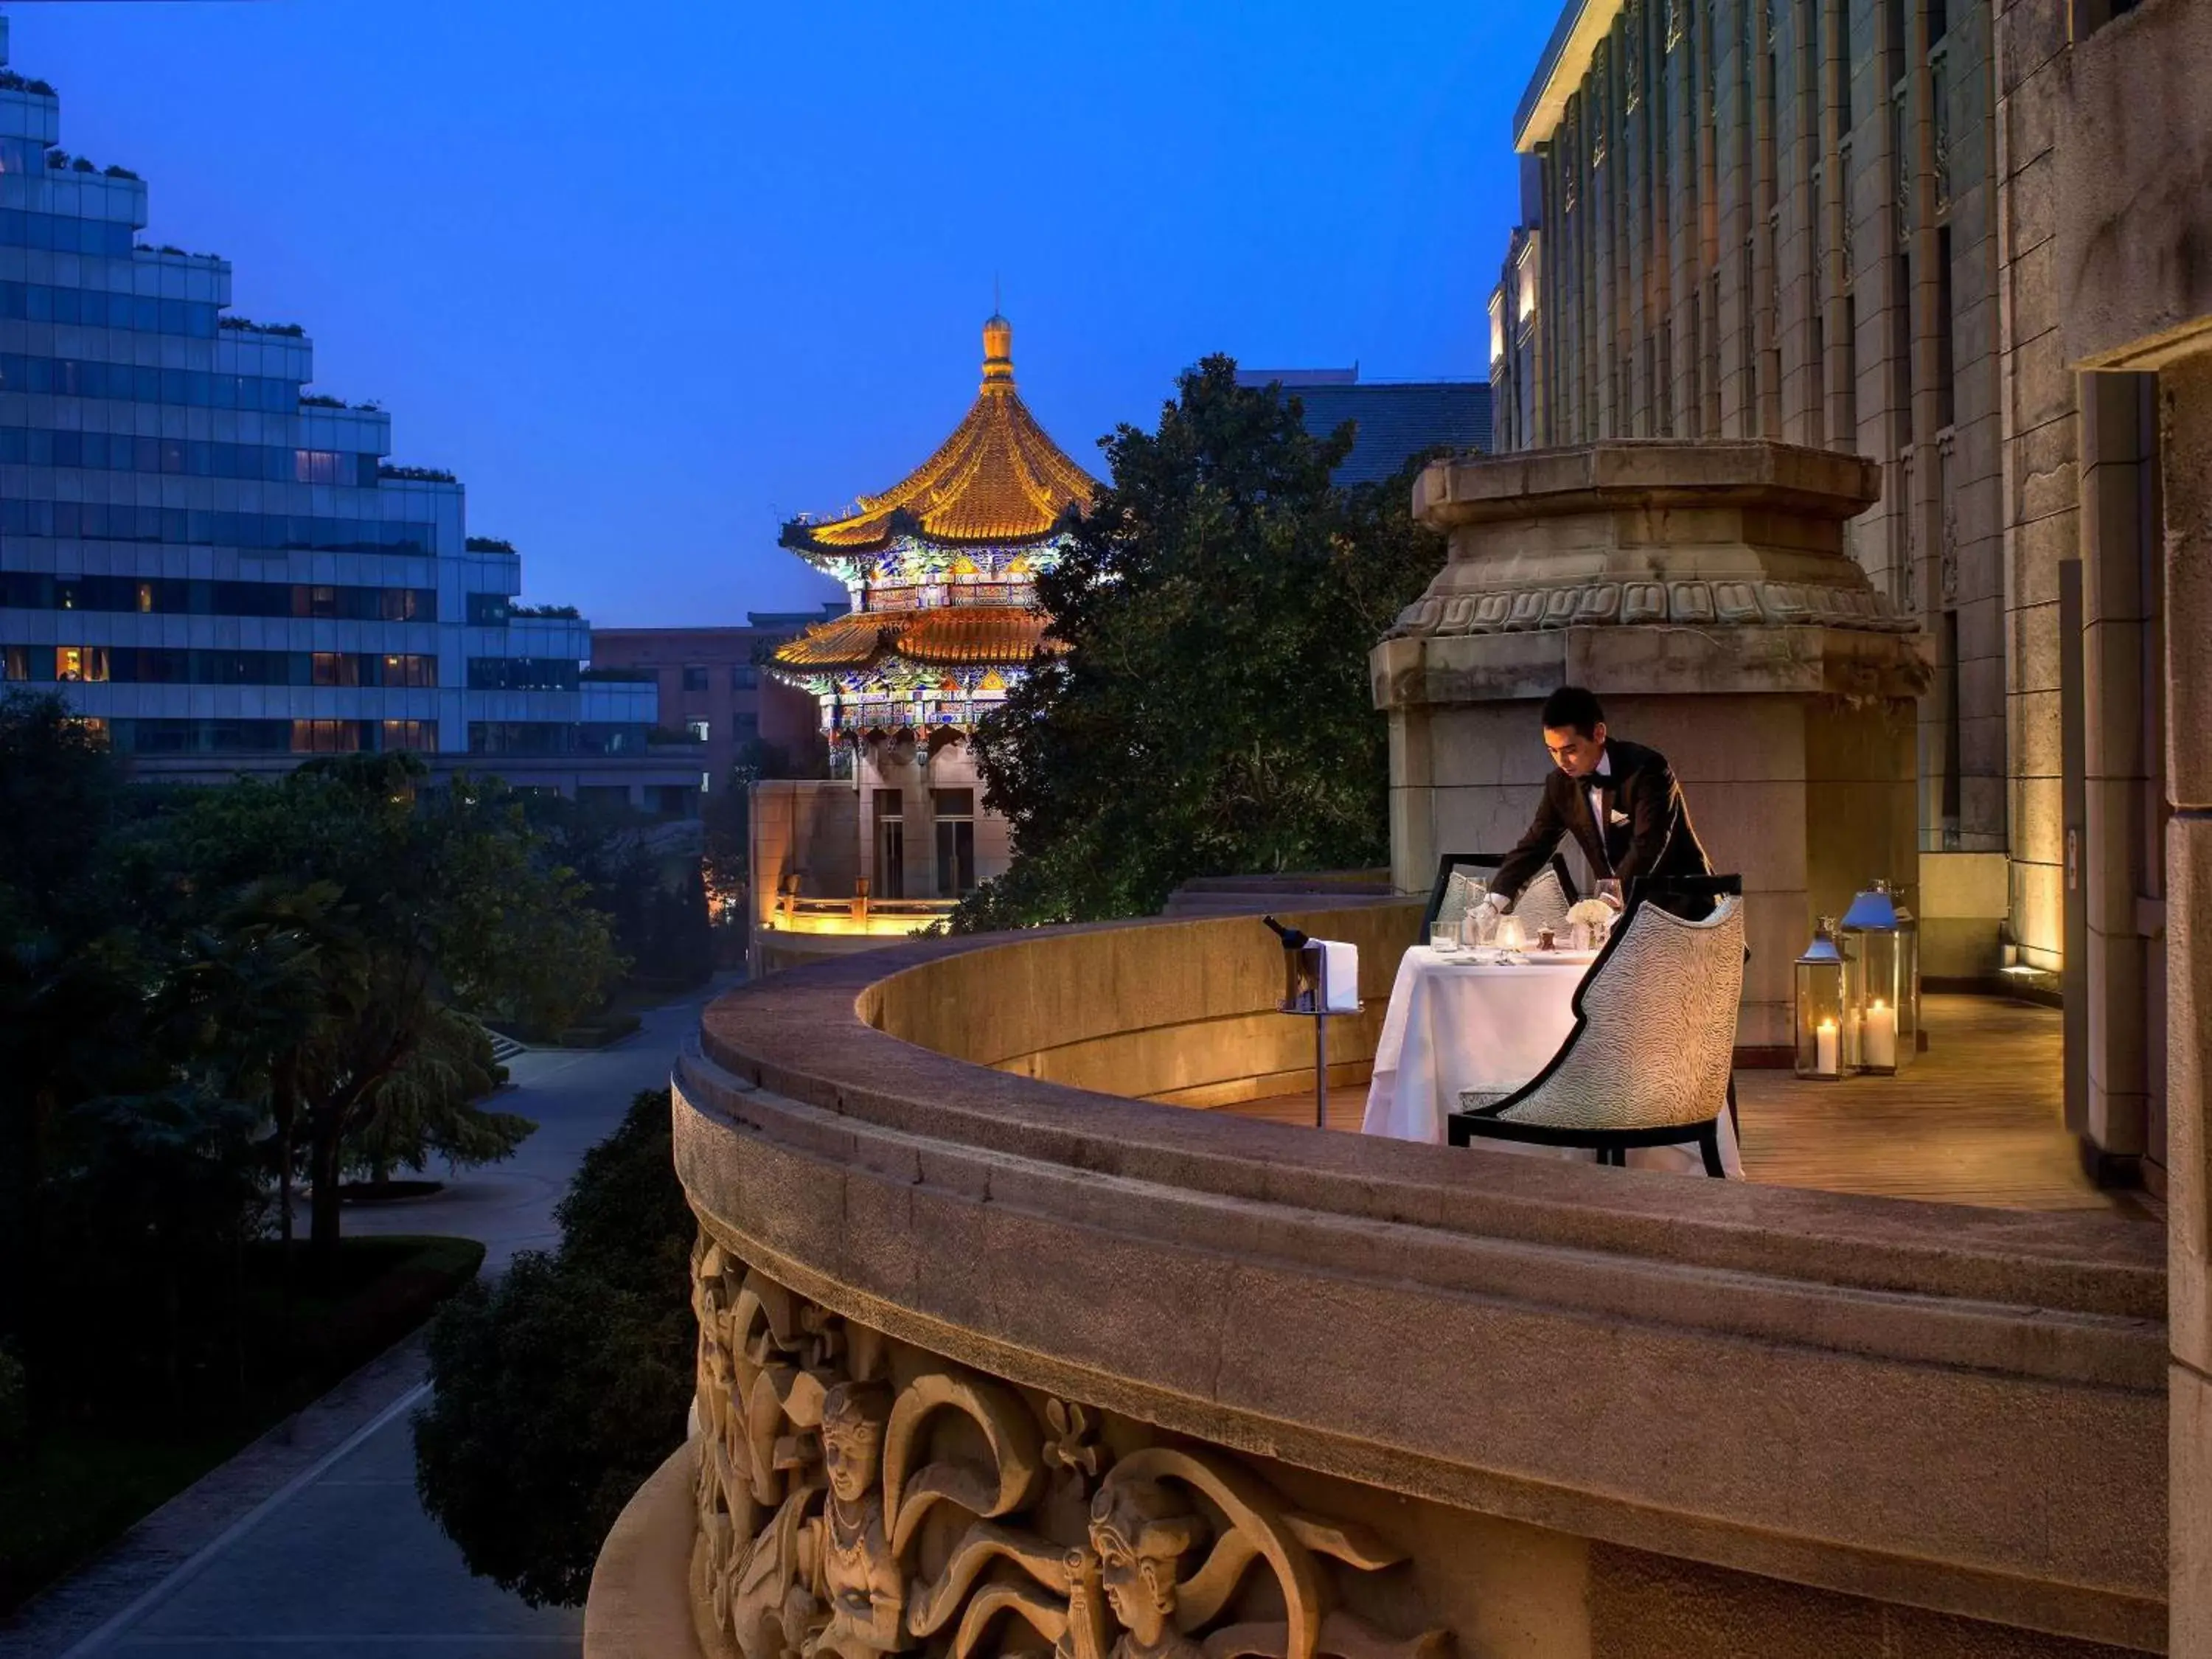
(997, 347)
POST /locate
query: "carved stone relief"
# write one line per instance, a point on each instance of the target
(860, 1498)
(1747, 603)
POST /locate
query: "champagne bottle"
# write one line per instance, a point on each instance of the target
(1291, 938)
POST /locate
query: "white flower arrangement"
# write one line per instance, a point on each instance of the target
(1591, 912)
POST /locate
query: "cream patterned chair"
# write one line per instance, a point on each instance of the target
(1650, 1061)
(1543, 902)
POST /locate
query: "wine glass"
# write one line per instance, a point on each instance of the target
(1471, 924)
(1609, 889)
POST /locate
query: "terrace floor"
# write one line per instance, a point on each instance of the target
(1976, 1121)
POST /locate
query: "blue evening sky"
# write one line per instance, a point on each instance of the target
(651, 277)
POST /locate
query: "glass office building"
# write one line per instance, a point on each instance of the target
(222, 568)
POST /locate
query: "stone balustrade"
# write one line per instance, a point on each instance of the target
(991, 1362)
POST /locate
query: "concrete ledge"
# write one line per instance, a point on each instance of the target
(1961, 1410)
(640, 1603)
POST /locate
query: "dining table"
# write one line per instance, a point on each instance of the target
(1482, 1018)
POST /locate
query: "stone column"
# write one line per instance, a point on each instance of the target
(2186, 393)
(1701, 590)
(2119, 454)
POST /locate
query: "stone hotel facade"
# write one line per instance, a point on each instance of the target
(1833, 222)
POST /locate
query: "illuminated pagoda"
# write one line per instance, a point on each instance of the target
(941, 572)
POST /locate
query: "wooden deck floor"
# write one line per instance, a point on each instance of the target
(1976, 1120)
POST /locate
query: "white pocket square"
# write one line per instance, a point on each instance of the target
(1616, 818)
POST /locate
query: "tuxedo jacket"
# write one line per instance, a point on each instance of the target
(1644, 831)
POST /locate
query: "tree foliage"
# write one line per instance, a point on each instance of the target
(1211, 713)
(557, 1391)
(653, 898)
(415, 905)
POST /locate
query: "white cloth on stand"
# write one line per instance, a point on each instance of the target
(1340, 975)
(1454, 1023)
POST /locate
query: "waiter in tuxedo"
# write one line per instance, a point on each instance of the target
(1618, 800)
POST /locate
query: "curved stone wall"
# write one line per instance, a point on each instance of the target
(1565, 1401)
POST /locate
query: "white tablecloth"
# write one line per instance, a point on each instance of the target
(1455, 1023)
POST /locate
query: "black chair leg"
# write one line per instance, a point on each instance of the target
(1709, 1143)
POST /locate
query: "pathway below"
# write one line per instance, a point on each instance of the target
(310, 1543)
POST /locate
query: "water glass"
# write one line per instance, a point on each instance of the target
(1443, 940)
(1479, 923)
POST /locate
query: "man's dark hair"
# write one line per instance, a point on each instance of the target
(1571, 706)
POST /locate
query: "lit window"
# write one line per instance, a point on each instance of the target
(706, 781)
(145, 595)
(697, 729)
(81, 662)
(18, 658)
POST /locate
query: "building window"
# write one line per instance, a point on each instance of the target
(488, 610)
(744, 677)
(890, 845)
(699, 730)
(336, 668)
(522, 674)
(410, 734)
(411, 671)
(18, 660)
(955, 841)
(81, 662)
(695, 676)
(1946, 348)
(326, 737)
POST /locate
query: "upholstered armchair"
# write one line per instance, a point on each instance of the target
(1650, 1060)
(1543, 902)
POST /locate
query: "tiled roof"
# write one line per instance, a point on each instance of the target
(1395, 422)
(946, 637)
(998, 479)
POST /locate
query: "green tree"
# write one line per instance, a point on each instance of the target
(129, 1171)
(1210, 712)
(428, 1108)
(653, 898)
(444, 900)
(557, 1391)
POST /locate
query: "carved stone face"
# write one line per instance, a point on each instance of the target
(1141, 1599)
(1140, 1532)
(853, 1419)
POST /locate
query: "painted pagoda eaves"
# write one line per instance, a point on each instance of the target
(940, 569)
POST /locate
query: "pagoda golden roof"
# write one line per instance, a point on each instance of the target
(946, 637)
(998, 480)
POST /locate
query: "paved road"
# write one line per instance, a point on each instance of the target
(310, 1543)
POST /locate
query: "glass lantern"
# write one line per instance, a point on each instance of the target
(1824, 988)
(1908, 968)
(1882, 936)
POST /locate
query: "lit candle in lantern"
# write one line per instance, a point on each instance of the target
(1881, 1036)
(1824, 1048)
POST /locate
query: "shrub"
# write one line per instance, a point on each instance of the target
(557, 1392)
